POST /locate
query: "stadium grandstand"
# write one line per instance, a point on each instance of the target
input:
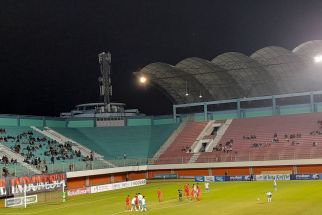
(276, 86)
(232, 115)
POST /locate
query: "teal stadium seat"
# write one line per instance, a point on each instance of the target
(137, 142)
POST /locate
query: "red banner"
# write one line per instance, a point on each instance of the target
(33, 184)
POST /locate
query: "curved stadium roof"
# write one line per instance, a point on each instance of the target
(176, 83)
(284, 66)
(268, 71)
(247, 72)
(219, 83)
(309, 50)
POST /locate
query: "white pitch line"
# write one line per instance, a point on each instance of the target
(66, 206)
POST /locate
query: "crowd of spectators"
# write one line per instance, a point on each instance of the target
(250, 137)
(227, 147)
(260, 145)
(293, 138)
(36, 150)
(253, 138)
(186, 149)
(5, 160)
(319, 130)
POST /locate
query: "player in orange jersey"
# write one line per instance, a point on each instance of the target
(187, 191)
(198, 193)
(127, 202)
(136, 202)
(159, 194)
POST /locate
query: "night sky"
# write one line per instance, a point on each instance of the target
(48, 49)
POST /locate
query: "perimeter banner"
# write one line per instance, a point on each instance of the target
(34, 184)
(116, 186)
(236, 178)
(78, 191)
(305, 177)
(209, 178)
(19, 201)
(269, 177)
(199, 178)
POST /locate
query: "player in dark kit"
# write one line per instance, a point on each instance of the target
(180, 195)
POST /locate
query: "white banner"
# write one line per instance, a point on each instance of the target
(269, 177)
(116, 186)
(78, 191)
(19, 201)
(209, 178)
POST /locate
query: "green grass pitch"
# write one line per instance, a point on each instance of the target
(292, 197)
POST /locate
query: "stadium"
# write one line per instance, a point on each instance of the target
(238, 124)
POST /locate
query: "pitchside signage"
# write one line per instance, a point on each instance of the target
(199, 178)
(265, 177)
(78, 191)
(269, 177)
(209, 178)
(116, 186)
(33, 184)
(19, 201)
(236, 178)
(305, 177)
(219, 178)
(165, 176)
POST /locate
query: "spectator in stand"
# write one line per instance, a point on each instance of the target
(5, 172)
(52, 159)
(91, 156)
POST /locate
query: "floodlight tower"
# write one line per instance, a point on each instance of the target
(104, 80)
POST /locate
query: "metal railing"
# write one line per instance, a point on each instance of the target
(17, 170)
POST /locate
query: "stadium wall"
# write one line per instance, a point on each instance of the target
(103, 176)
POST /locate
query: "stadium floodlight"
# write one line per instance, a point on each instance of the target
(200, 96)
(186, 94)
(318, 59)
(142, 79)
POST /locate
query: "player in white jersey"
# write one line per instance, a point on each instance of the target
(140, 197)
(143, 207)
(194, 187)
(275, 184)
(207, 186)
(269, 196)
(133, 204)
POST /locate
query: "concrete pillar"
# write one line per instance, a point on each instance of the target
(312, 102)
(87, 181)
(274, 105)
(238, 109)
(205, 110)
(174, 110)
